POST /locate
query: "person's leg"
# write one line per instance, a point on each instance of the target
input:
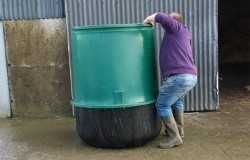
(167, 96)
(178, 112)
(187, 82)
(174, 139)
(170, 92)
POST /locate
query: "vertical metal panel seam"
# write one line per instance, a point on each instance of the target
(215, 49)
(68, 25)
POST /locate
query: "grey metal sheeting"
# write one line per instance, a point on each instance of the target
(200, 17)
(31, 9)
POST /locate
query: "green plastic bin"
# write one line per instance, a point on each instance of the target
(114, 84)
(113, 66)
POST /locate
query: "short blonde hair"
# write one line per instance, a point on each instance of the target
(177, 16)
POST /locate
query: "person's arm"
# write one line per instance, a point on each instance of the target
(166, 21)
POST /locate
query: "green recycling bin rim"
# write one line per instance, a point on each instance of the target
(110, 26)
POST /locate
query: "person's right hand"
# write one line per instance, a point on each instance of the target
(150, 19)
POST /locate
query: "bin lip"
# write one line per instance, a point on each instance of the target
(125, 105)
(110, 26)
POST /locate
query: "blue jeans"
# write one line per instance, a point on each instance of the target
(172, 92)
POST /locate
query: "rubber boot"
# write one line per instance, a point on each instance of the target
(179, 118)
(173, 133)
(166, 133)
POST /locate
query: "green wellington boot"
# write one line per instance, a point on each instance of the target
(173, 133)
(178, 116)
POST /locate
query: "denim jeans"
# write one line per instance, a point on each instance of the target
(172, 92)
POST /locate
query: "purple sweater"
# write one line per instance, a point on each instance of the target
(175, 52)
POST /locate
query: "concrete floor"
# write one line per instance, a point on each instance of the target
(56, 138)
(220, 135)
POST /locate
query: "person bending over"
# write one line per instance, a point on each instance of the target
(179, 74)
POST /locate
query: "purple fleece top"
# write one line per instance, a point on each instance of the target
(175, 52)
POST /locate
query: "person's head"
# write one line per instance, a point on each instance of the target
(177, 17)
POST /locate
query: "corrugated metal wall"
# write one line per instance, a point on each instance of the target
(31, 9)
(200, 17)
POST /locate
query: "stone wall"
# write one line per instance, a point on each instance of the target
(38, 67)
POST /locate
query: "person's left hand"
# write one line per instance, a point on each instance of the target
(150, 19)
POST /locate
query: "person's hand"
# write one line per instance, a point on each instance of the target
(150, 19)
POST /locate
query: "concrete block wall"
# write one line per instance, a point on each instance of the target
(38, 68)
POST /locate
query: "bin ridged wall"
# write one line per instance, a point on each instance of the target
(114, 84)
